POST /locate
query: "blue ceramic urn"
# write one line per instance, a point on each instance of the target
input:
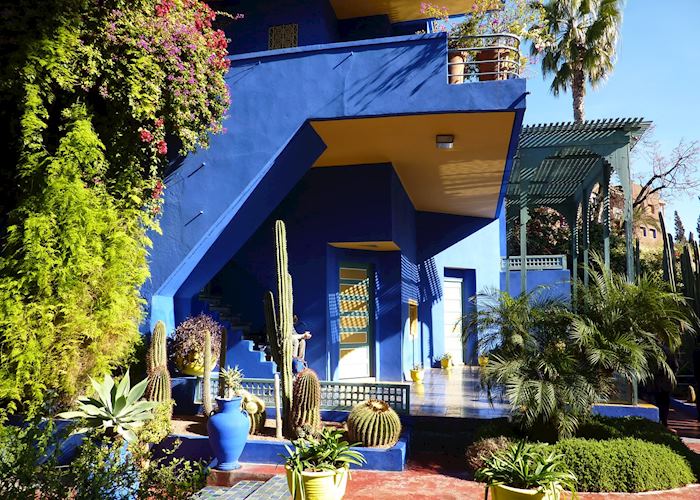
(228, 433)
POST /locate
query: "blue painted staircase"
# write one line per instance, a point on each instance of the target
(243, 348)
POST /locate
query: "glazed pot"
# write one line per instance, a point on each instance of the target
(446, 362)
(483, 361)
(228, 433)
(323, 485)
(417, 375)
(494, 62)
(189, 365)
(503, 492)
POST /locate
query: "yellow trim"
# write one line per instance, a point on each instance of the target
(397, 10)
(465, 180)
(376, 246)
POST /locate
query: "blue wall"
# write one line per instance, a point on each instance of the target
(218, 197)
(554, 283)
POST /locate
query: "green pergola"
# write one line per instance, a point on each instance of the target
(558, 166)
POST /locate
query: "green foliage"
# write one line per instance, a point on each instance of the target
(115, 409)
(526, 466)
(279, 325)
(481, 450)
(374, 423)
(306, 402)
(585, 38)
(328, 452)
(625, 465)
(548, 233)
(88, 93)
(101, 469)
(642, 429)
(255, 408)
(159, 427)
(188, 340)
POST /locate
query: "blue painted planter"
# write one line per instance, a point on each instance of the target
(228, 433)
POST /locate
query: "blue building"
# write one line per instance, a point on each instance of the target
(391, 181)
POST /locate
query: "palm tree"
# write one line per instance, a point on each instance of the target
(585, 34)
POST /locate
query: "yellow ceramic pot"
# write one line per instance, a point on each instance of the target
(483, 361)
(324, 485)
(417, 375)
(446, 362)
(503, 492)
(190, 366)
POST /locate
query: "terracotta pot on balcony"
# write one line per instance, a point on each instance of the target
(456, 67)
(493, 64)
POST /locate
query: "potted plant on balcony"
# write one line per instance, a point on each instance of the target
(319, 468)
(188, 343)
(417, 372)
(446, 360)
(523, 472)
(228, 428)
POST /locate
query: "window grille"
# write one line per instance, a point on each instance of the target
(283, 36)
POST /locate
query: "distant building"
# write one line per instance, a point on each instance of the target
(649, 235)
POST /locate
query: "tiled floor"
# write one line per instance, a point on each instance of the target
(272, 489)
(455, 392)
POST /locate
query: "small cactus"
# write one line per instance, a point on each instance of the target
(158, 388)
(374, 423)
(206, 389)
(306, 401)
(230, 382)
(255, 407)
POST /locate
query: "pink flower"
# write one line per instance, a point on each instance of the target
(159, 122)
(162, 147)
(146, 136)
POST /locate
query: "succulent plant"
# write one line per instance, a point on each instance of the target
(115, 408)
(188, 340)
(255, 407)
(230, 380)
(306, 401)
(280, 324)
(206, 383)
(374, 423)
(158, 388)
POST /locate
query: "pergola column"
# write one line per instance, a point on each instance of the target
(524, 219)
(585, 207)
(605, 192)
(573, 226)
(621, 163)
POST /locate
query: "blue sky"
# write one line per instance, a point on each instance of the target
(657, 77)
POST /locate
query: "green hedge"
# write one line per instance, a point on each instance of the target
(624, 465)
(640, 428)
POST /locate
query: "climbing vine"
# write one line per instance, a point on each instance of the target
(95, 98)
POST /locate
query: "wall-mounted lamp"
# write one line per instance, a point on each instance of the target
(444, 141)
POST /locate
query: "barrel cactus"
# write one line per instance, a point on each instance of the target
(255, 407)
(374, 423)
(158, 388)
(306, 401)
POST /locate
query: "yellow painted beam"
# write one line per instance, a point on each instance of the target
(397, 10)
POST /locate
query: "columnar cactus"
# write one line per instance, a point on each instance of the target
(222, 361)
(690, 268)
(280, 324)
(306, 402)
(374, 423)
(158, 388)
(206, 389)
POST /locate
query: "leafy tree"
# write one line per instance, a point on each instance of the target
(91, 96)
(680, 229)
(547, 233)
(585, 34)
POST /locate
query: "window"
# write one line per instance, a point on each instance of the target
(653, 233)
(644, 231)
(412, 319)
(283, 36)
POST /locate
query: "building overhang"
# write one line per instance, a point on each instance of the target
(397, 10)
(465, 180)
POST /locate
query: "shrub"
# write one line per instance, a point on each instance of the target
(643, 429)
(624, 465)
(188, 341)
(483, 449)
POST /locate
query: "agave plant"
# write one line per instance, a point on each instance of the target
(524, 465)
(115, 409)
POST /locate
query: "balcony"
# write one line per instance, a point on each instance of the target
(482, 58)
(535, 263)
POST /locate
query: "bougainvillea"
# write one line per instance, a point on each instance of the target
(94, 97)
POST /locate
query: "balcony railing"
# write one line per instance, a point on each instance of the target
(535, 263)
(479, 58)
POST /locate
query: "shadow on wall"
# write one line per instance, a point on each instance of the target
(430, 288)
